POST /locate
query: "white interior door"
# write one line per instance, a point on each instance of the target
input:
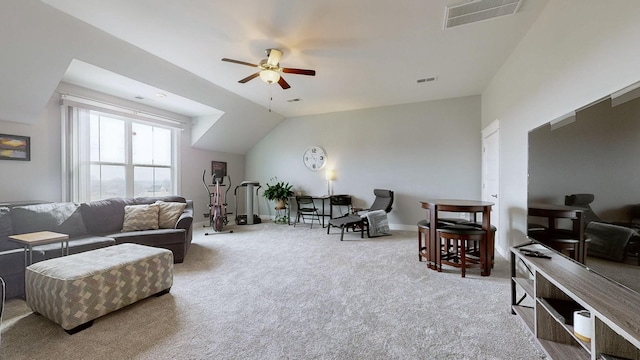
(491, 172)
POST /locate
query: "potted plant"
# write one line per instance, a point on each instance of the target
(278, 192)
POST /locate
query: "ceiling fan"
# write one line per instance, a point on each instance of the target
(270, 69)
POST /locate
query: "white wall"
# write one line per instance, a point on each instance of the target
(192, 162)
(40, 178)
(420, 150)
(577, 52)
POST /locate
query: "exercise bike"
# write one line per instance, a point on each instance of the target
(217, 205)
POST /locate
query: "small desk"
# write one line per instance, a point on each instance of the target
(323, 198)
(28, 240)
(465, 206)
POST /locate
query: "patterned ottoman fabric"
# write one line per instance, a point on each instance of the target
(75, 289)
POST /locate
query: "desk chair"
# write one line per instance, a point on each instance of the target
(342, 203)
(306, 209)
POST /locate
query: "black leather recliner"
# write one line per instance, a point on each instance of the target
(355, 221)
(608, 240)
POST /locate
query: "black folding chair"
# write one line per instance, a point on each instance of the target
(306, 209)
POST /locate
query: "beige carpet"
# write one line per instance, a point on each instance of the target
(277, 292)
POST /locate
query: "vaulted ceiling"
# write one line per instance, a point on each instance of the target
(366, 53)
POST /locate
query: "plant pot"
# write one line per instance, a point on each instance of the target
(281, 204)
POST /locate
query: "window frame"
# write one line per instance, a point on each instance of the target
(76, 182)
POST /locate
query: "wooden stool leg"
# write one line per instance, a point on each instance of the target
(485, 267)
(438, 254)
(419, 245)
(462, 244)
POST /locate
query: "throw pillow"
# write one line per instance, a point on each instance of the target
(140, 217)
(168, 213)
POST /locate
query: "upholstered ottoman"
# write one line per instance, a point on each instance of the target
(74, 290)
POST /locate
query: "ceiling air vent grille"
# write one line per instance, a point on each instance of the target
(479, 10)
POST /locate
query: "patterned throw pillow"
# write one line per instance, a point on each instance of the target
(169, 213)
(140, 217)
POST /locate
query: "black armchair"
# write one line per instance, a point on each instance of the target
(607, 240)
(583, 201)
(382, 205)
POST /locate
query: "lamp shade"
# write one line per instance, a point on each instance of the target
(269, 76)
(330, 174)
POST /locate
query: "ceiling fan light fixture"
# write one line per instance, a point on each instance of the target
(273, 56)
(269, 76)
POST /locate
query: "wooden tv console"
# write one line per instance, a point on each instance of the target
(615, 310)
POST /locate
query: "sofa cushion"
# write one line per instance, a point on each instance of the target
(171, 239)
(140, 217)
(104, 216)
(65, 218)
(153, 199)
(12, 271)
(168, 213)
(77, 245)
(6, 229)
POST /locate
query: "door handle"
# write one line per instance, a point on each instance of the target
(494, 196)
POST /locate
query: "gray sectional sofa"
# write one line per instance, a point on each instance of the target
(90, 226)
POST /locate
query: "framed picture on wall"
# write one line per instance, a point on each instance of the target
(220, 166)
(15, 147)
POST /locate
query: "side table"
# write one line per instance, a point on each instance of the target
(28, 240)
(283, 215)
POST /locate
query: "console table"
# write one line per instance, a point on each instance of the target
(613, 307)
(28, 240)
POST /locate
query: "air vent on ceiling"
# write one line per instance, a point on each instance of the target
(294, 100)
(429, 79)
(479, 10)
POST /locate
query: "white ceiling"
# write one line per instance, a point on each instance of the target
(367, 53)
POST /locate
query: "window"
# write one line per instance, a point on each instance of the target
(114, 155)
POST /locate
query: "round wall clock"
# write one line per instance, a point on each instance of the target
(314, 158)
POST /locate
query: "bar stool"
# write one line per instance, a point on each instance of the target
(491, 246)
(453, 250)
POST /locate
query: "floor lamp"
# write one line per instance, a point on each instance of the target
(330, 175)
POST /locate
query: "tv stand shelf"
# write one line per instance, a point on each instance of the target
(554, 288)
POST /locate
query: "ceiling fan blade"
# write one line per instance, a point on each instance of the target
(283, 83)
(299, 71)
(250, 77)
(239, 62)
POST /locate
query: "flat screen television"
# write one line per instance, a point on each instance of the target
(596, 151)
